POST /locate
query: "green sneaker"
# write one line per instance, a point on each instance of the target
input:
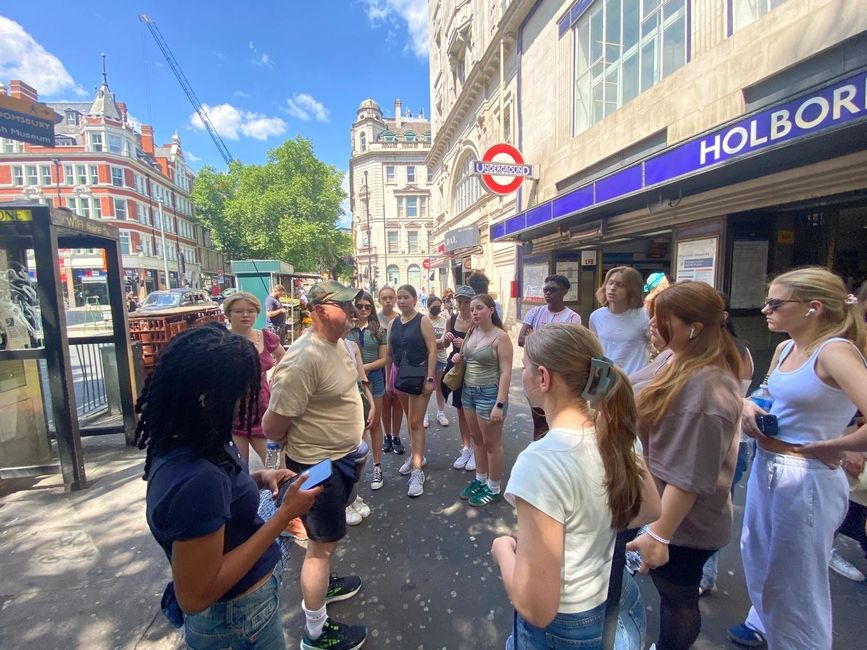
(485, 497)
(336, 636)
(471, 489)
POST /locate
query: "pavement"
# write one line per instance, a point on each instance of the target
(81, 570)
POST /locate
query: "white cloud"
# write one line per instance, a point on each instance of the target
(232, 123)
(305, 107)
(21, 57)
(252, 46)
(191, 157)
(240, 93)
(264, 60)
(412, 12)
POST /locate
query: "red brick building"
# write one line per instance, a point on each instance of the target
(103, 166)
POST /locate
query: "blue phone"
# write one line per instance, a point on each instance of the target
(317, 475)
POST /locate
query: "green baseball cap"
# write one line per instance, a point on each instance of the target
(331, 291)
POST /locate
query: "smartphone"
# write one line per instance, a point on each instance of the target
(633, 562)
(317, 475)
(767, 424)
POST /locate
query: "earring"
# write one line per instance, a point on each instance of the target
(691, 333)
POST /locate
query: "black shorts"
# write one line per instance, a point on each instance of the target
(456, 397)
(326, 520)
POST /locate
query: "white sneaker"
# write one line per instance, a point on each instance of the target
(360, 507)
(377, 481)
(471, 463)
(352, 517)
(442, 419)
(845, 568)
(426, 422)
(406, 468)
(416, 483)
(461, 461)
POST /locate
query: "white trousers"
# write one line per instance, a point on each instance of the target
(793, 507)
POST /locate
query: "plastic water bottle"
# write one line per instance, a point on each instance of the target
(762, 398)
(272, 455)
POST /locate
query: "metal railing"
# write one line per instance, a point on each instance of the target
(88, 375)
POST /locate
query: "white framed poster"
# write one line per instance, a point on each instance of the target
(534, 279)
(696, 259)
(570, 269)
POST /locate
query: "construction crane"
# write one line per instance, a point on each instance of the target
(185, 85)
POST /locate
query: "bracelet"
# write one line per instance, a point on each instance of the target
(659, 539)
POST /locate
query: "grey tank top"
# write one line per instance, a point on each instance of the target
(483, 367)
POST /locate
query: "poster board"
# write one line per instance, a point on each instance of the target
(696, 259)
(535, 273)
(749, 273)
(569, 269)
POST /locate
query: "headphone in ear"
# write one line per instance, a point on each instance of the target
(691, 333)
(810, 311)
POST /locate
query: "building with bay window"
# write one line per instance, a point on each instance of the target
(105, 167)
(390, 197)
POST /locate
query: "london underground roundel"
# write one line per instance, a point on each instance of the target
(502, 169)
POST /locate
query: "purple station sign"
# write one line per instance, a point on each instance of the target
(811, 113)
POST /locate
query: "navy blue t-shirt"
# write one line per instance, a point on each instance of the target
(189, 497)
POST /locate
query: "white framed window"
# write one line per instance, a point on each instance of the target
(81, 174)
(97, 208)
(115, 144)
(8, 145)
(69, 174)
(72, 203)
(392, 275)
(410, 173)
(123, 236)
(745, 12)
(412, 206)
(389, 173)
(93, 172)
(393, 246)
(412, 242)
(117, 176)
(17, 175)
(84, 206)
(621, 48)
(45, 172)
(96, 143)
(422, 206)
(468, 188)
(430, 175)
(120, 209)
(32, 172)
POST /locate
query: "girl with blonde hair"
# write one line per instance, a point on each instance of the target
(817, 380)
(573, 489)
(621, 321)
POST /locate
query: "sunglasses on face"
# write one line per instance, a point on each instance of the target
(363, 305)
(775, 303)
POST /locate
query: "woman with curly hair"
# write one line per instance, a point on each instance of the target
(201, 501)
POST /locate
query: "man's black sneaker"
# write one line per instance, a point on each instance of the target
(386, 444)
(336, 636)
(397, 445)
(342, 588)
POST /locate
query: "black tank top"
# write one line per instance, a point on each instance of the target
(455, 332)
(407, 336)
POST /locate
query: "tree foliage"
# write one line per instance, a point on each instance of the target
(286, 209)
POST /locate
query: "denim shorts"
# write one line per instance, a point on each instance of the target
(377, 382)
(251, 620)
(481, 399)
(441, 365)
(584, 629)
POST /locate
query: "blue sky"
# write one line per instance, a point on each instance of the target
(267, 69)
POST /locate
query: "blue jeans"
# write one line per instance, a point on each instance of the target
(482, 400)
(584, 629)
(249, 621)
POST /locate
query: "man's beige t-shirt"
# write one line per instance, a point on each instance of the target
(315, 385)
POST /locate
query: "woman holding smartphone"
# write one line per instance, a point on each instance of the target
(573, 489)
(817, 381)
(687, 419)
(411, 341)
(202, 503)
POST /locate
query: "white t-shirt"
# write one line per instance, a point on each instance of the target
(623, 336)
(562, 475)
(440, 325)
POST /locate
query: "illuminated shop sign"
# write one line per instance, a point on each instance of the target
(807, 115)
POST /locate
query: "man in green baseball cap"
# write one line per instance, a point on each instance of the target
(331, 292)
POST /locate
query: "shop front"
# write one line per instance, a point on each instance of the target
(781, 187)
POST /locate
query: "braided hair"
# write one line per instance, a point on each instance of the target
(190, 399)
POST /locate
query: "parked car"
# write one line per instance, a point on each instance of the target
(157, 300)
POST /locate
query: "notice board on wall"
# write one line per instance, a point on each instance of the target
(534, 274)
(749, 273)
(697, 260)
(570, 269)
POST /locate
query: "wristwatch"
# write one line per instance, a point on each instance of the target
(500, 405)
(430, 380)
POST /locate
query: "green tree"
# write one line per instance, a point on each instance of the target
(286, 209)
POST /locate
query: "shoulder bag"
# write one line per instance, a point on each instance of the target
(410, 378)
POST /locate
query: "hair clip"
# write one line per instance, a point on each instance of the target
(600, 381)
(851, 299)
(202, 400)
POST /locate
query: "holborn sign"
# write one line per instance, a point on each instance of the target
(502, 169)
(27, 121)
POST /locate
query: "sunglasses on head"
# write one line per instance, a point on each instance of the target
(775, 303)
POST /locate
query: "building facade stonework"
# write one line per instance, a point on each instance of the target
(389, 191)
